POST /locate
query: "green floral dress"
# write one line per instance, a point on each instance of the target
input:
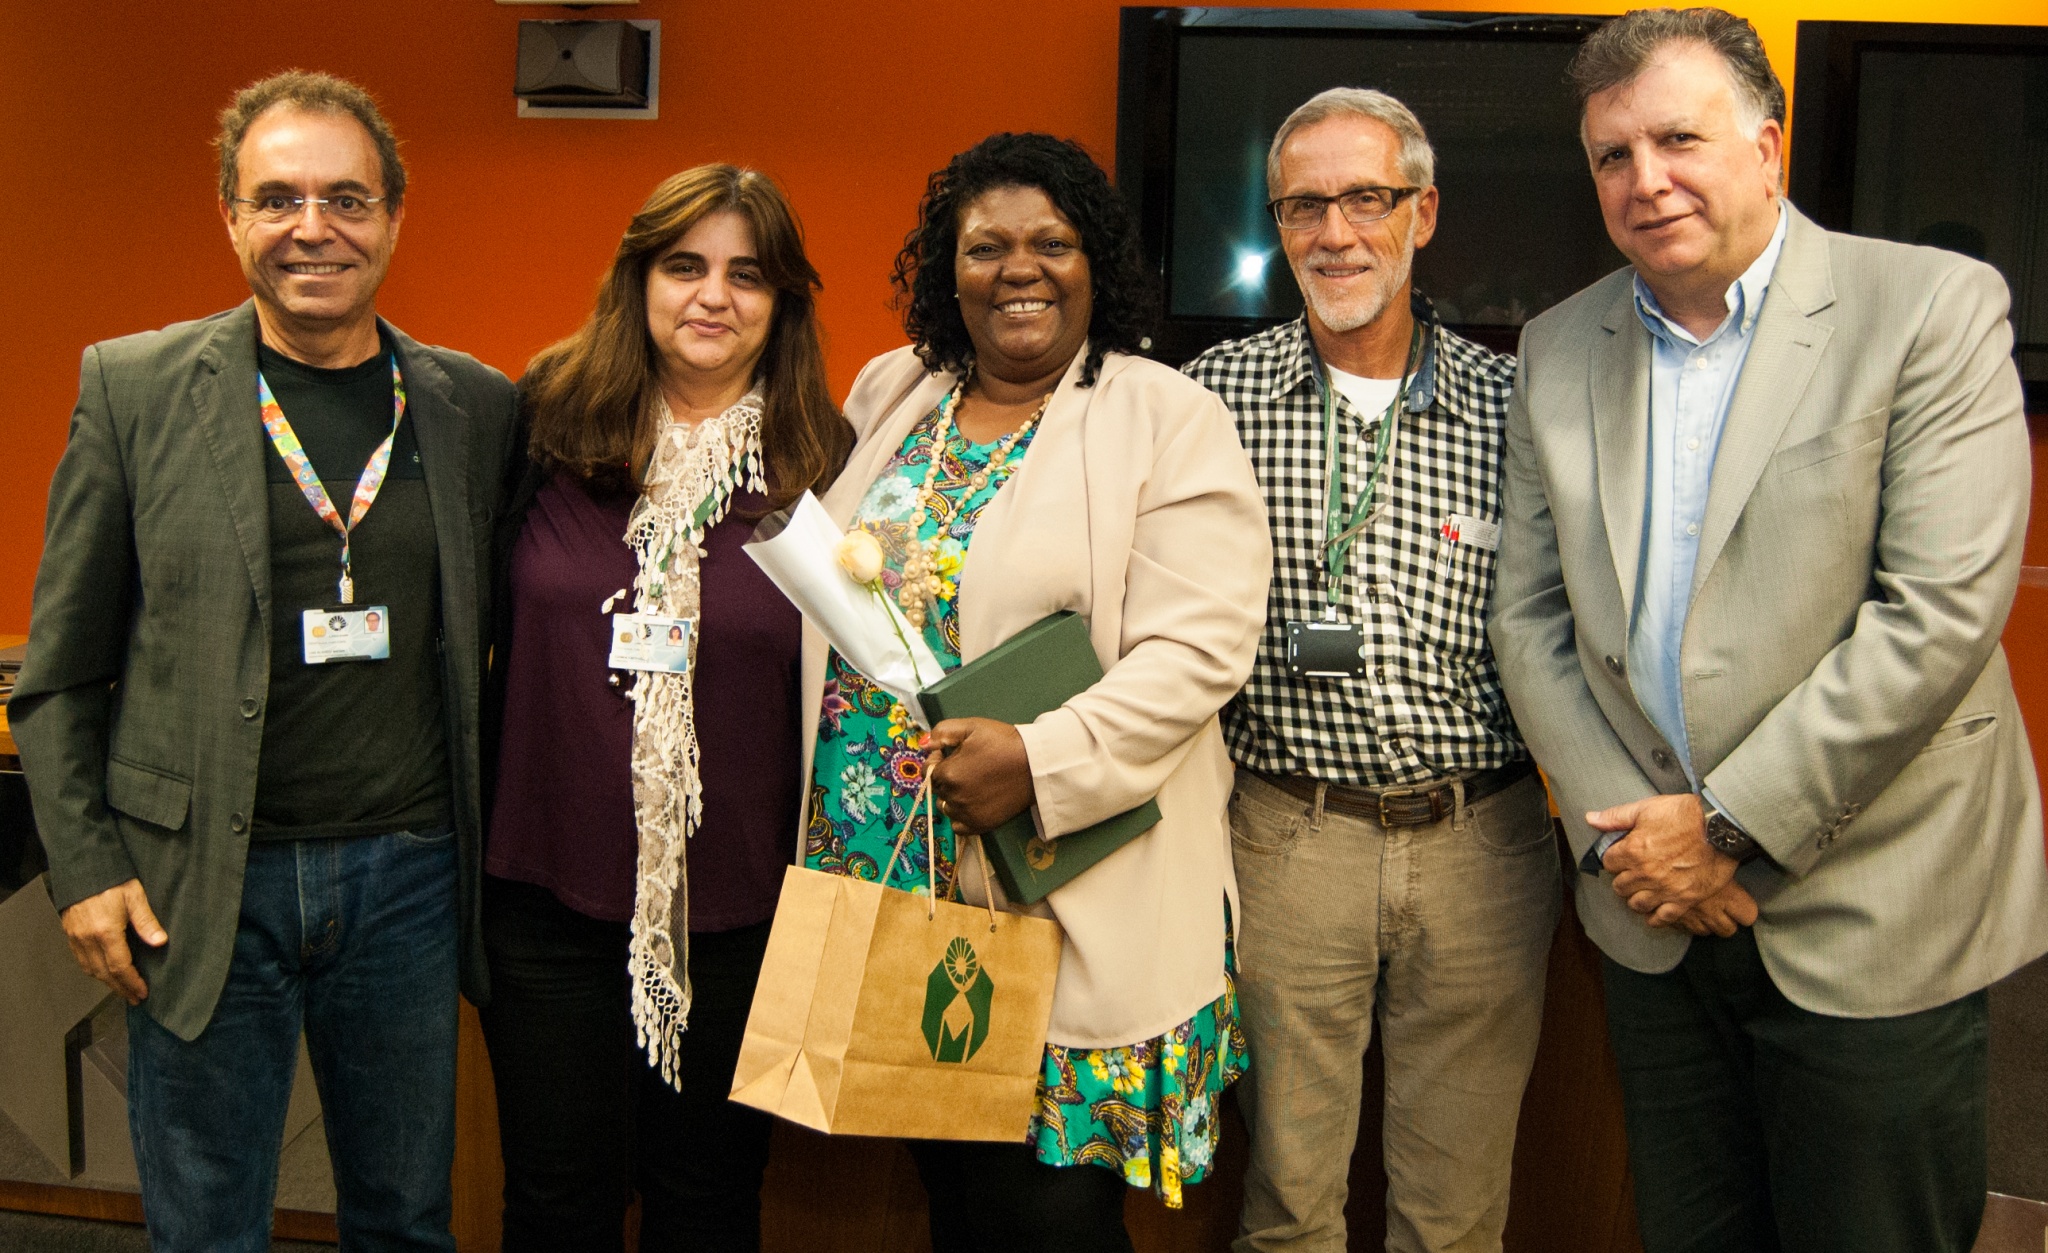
(1147, 1110)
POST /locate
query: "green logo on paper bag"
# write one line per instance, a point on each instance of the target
(956, 1000)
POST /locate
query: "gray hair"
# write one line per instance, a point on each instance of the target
(1623, 48)
(1417, 159)
(307, 92)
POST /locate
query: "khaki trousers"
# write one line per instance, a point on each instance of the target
(1443, 932)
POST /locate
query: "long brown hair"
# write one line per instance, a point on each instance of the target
(591, 398)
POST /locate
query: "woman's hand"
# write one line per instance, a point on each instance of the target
(981, 777)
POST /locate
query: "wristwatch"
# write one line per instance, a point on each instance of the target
(1724, 835)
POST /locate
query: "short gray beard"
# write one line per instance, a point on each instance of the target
(1363, 311)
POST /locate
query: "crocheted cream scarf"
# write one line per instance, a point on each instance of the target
(690, 483)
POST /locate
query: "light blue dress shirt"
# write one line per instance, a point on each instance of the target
(1692, 382)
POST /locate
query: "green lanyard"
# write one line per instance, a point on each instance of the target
(1342, 531)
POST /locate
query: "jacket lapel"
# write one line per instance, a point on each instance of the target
(442, 429)
(224, 400)
(1782, 358)
(918, 397)
(1621, 425)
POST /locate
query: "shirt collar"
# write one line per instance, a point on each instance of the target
(1304, 365)
(1745, 295)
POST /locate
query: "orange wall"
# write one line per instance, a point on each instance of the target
(107, 224)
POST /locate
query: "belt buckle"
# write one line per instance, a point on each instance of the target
(1387, 819)
(1433, 793)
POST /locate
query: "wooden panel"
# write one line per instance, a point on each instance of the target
(478, 1179)
(1572, 1188)
(841, 1194)
(2012, 1225)
(126, 1207)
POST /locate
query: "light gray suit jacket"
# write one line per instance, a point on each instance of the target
(139, 710)
(1844, 688)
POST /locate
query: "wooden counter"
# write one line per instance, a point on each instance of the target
(10, 756)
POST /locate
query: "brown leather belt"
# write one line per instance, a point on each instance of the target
(1414, 805)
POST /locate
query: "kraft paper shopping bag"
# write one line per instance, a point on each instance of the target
(885, 1013)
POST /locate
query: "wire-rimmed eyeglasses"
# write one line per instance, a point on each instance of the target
(345, 207)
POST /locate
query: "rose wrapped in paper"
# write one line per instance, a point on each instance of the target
(819, 567)
(859, 553)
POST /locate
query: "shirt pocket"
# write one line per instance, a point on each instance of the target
(1446, 601)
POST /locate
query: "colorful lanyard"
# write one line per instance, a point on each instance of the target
(308, 479)
(1342, 530)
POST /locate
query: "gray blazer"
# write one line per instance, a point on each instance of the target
(139, 710)
(1844, 688)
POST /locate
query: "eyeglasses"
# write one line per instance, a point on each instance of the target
(283, 208)
(1361, 206)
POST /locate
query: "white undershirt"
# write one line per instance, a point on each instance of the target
(1370, 397)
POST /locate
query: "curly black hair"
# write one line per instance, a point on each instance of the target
(1123, 290)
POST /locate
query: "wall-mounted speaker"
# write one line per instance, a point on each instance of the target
(583, 65)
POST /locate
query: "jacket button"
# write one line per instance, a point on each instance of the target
(249, 706)
(1663, 759)
(238, 824)
(1613, 664)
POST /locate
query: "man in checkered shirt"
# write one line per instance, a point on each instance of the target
(1393, 844)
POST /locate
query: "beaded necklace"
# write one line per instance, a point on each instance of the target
(921, 583)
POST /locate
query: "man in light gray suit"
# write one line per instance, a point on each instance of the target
(248, 714)
(1766, 491)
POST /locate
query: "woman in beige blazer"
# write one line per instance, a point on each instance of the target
(1016, 461)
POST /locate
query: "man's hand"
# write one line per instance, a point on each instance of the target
(1664, 865)
(981, 775)
(97, 928)
(1719, 914)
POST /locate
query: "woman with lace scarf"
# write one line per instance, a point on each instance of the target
(645, 697)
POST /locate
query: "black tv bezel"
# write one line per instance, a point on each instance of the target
(1148, 63)
(1826, 86)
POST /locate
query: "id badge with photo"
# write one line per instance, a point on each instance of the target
(645, 641)
(1326, 650)
(346, 633)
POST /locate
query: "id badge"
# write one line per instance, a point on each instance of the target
(1326, 650)
(645, 641)
(346, 633)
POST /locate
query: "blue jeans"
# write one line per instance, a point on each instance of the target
(353, 940)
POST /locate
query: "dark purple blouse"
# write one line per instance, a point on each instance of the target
(563, 817)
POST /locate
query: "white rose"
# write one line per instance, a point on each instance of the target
(860, 555)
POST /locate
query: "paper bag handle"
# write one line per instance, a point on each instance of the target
(931, 858)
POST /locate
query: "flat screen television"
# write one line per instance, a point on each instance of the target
(1933, 134)
(1201, 91)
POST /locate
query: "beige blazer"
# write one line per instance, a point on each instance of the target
(1844, 688)
(1136, 508)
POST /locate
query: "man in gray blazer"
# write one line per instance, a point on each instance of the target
(248, 713)
(1766, 491)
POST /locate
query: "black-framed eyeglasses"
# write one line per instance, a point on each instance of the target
(1361, 206)
(346, 207)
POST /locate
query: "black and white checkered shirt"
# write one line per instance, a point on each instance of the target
(1430, 702)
